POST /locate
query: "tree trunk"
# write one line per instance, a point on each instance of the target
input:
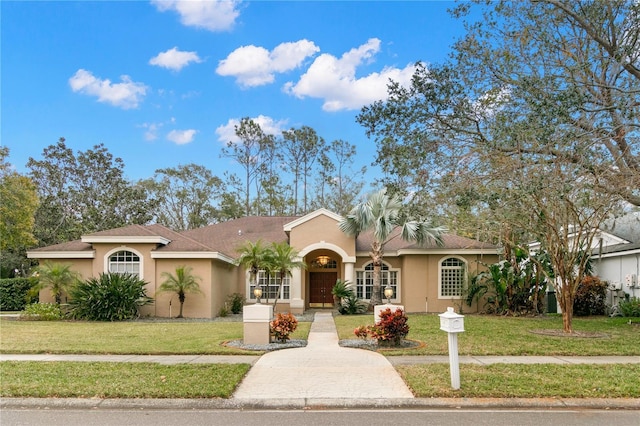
(376, 256)
(181, 298)
(275, 302)
(566, 304)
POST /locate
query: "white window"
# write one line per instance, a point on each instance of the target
(452, 277)
(269, 285)
(123, 261)
(364, 282)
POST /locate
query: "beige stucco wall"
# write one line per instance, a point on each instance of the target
(196, 305)
(419, 279)
(83, 267)
(318, 230)
(217, 281)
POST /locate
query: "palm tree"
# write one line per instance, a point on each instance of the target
(380, 214)
(57, 277)
(283, 259)
(181, 283)
(253, 257)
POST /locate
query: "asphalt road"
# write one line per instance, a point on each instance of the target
(367, 417)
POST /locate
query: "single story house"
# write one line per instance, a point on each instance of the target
(424, 279)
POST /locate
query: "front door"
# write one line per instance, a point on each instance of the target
(320, 285)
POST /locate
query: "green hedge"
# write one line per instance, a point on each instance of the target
(13, 293)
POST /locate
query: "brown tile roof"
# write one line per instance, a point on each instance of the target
(132, 231)
(226, 237)
(76, 245)
(364, 240)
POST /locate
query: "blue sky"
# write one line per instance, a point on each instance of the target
(162, 83)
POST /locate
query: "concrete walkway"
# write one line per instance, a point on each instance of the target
(322, 369)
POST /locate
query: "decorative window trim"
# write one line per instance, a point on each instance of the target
(463, 268)
(361, 272)
(129, 249)
(273, 282)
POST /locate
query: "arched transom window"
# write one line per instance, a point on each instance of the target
(123, 262)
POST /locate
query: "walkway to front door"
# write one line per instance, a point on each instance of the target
(320, 285)
(323, 369)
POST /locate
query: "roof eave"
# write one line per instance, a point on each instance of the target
(61, 254)
(107, 239)
(192, 255)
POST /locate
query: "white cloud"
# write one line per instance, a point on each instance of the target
(181, 137)
(125, 95)
(212, 15)
(151, 132)
(227, 132)
(335, 81)
(174, 59)
(255, 66)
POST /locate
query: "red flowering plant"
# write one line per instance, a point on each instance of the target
(389, 331)
(361, 332)
(282, 326)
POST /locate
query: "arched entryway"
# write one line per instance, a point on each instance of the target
(323, 273)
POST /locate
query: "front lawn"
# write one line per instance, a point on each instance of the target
(524, 381)
(119, 380)
(492, 335)
(130, 337)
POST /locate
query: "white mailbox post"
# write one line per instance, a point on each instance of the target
(453, 324)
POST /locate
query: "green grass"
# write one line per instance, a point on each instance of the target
(157, 338)
(119, 380)
(490, 335)
(484, 335)
(525, 381)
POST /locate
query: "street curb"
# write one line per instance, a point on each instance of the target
(322, 403)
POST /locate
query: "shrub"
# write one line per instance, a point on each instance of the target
(223, 312)
(13, 293)
(389, 331)
(630, 307)
(235, 302)
(341, 290)
(110, 297)
(41, 312)
(351, 305)
(591, 297)
(361, 332)
(282, 326)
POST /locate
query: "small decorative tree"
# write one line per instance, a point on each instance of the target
(283, 260)
(253, 257)
(181, 283)
(57, 277)
(381, 215)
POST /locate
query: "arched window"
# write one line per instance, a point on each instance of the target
(364, 281)
(452, 276)
(123, 262)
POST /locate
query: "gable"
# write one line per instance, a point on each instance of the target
(319, 228)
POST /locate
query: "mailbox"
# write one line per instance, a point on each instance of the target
(451, 322)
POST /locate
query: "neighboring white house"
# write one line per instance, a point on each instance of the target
(617, 259)
(616, 256)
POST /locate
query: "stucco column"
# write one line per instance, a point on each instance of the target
(349, 272)
(296, 304)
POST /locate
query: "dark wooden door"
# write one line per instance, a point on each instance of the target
(320, 285)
